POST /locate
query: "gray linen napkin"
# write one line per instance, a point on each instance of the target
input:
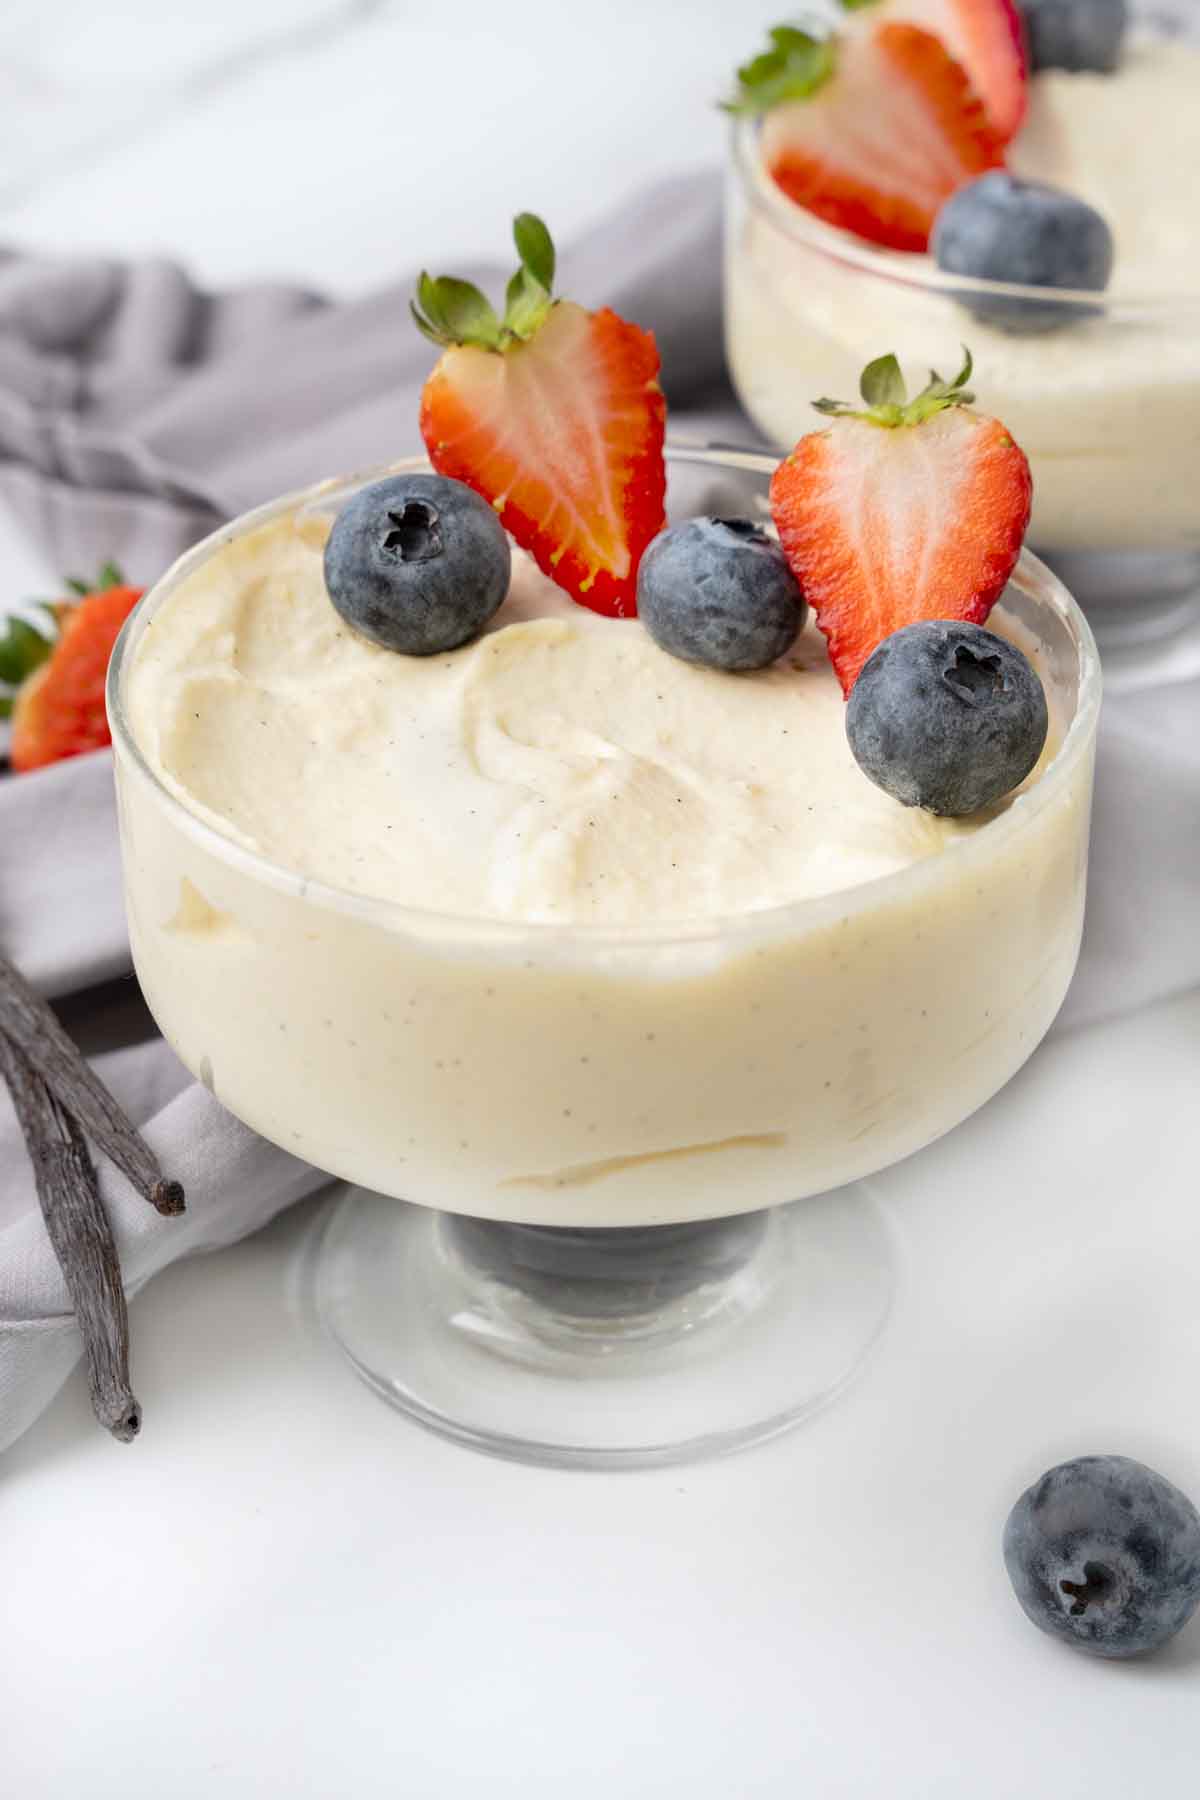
(137, 413)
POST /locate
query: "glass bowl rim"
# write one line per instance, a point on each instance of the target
(810, 233)
(790, 916)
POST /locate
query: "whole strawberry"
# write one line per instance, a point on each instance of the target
(901, 510)
(59, 709)
(555, 415)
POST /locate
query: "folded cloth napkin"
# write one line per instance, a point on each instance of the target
(137, 413)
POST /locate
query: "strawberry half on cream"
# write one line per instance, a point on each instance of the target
(871, 129)
(555, 415)
(901, 510)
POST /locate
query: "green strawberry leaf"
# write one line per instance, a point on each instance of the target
(882, 384)
(455, 312)
(939, 394)
(796, 66)
(449, 312)
(526, 304)
(857, 5)
(22, 650)
(535, 247)
(887, 403)
(110, 576)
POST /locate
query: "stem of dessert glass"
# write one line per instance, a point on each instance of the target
(605, 1273)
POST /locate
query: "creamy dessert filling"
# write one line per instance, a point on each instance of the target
(562, 767)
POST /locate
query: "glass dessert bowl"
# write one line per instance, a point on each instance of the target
(626, 1153)
(1104, 397)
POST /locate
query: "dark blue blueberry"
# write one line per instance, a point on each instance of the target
(417, 563)
(719, 592)
(945, 716)
(1075, 34)
(999, 229)
(1105, 1554)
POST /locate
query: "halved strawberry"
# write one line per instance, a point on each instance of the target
(59, 711)
(899, 511)
(872, 130)
(986, 36)
(556, 417)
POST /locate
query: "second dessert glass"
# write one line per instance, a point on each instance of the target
(1105, 401)
(608, 1206)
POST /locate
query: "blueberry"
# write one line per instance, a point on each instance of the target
(1000, 229)
(719, 592)
(1105, 1554)
(1075, 34)
(946, 716)
(417, 563)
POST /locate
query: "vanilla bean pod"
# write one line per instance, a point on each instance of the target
(34, 1028)
(82, 1237)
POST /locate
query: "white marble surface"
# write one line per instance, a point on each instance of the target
(283, 1590)
(327, 141)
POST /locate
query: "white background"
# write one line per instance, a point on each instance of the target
(283, 1589)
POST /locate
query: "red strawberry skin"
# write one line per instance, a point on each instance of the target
(59, 712)
(563, 435)
(883, 527)
(880, 147)
(987, 37)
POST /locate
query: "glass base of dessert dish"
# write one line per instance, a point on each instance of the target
(547, 1124)
(606, 1348)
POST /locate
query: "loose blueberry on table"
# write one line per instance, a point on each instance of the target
(1104, 1554)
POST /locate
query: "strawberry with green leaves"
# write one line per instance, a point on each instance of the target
(555, 415)
(900, 510)
(871, 129)
(58, 706)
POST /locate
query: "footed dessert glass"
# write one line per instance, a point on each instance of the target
(1105, 401)
(607, 1206)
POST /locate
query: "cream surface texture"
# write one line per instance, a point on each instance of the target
(561, 768)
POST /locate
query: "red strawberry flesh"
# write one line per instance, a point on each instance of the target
(883, 527)
(563, 435)
(879, 148)
(986, 36)
(59, 712)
